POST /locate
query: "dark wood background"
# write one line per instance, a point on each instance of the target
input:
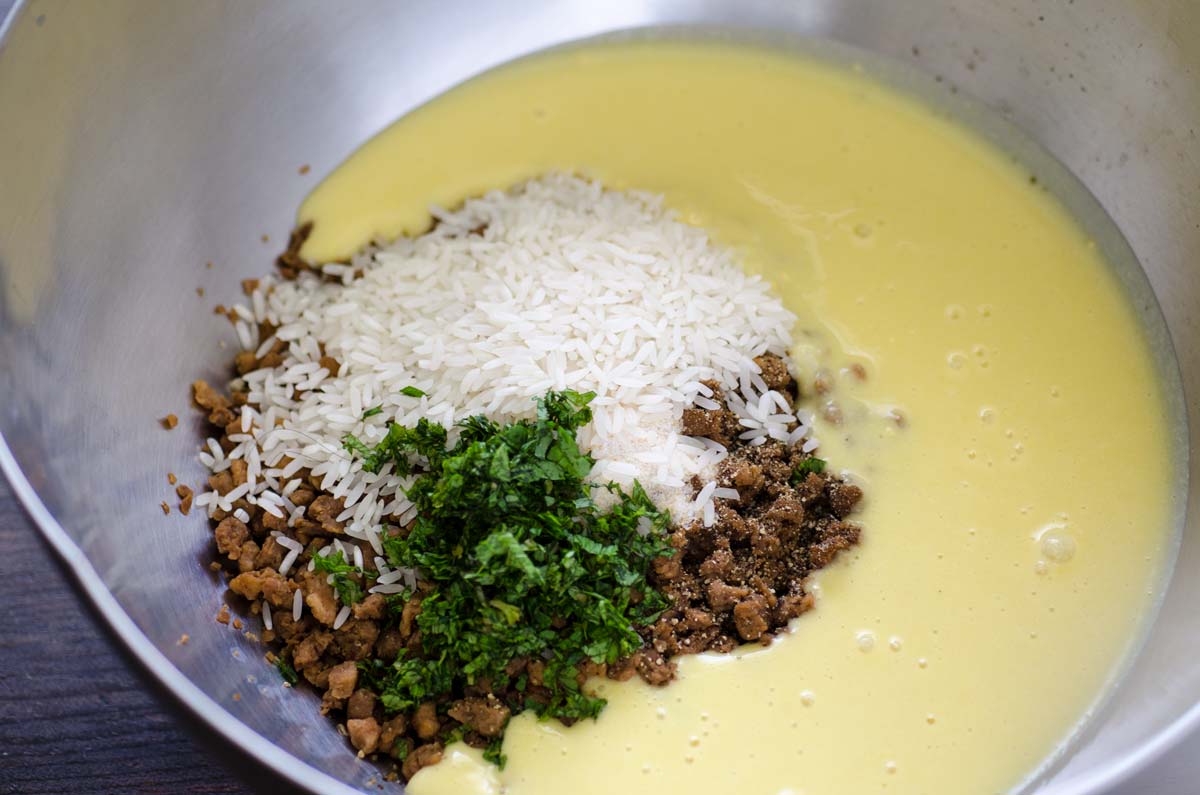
(75, 715)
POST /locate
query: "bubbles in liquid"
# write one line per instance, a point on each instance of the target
(987, 414)
(889, 766)
(807, 697)
(922, 663)
(1058, 545)
(931, 719)
(862, 231)
(956, 360)
(694, 741)
(661, 712)
(985, 310)
(1041, 567)
(896, 643)
(865, 640)
(954, 311)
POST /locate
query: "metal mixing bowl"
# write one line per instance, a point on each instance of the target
(141, 139)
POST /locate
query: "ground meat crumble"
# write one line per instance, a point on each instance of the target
(742, 579)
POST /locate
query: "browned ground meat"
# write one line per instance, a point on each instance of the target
(742, 579)
(361, 704)
(485, 715)
(185, 495)
(425, 721)
(424, 756)
(364, 734)
(739, 581)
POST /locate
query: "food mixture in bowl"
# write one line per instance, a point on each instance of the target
(744, 426)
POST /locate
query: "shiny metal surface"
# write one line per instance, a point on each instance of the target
(141, 140)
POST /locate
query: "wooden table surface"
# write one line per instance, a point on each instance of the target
(75, 716)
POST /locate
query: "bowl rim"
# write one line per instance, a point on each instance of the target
(229, 729)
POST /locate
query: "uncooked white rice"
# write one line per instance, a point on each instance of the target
(341, 617)
(569, 286)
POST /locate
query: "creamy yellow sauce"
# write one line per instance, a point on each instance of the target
(959, 647)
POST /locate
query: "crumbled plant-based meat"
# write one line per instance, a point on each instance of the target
(290, 263)
(319, 597)
(393, 730)
(355, 639)
(374, 607)
(422, 756)
(743, 578)
(208, 398)
(343, 678)
(364, 734)
(425, 721)
(484, 715)
(231, 533)
(170, 421)
(775, 374)
(361, 704)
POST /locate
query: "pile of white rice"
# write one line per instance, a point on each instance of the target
(569, 286)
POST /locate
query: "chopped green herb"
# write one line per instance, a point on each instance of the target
(412, 391)
(521, 561)
(808, 465)
(400, 444)
(400, 749)
(492, 753)
(372, 412)
(286, 670)
(348, 589)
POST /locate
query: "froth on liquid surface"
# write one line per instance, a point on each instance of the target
(1017, 524)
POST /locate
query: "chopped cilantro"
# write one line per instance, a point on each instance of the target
(428, 439)
(492, 753)
(519, 560)
(286, 671)
(412, 391)
(348, 589)
(809, 465)
(372, 412)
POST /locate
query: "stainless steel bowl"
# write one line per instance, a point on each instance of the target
(140, 140)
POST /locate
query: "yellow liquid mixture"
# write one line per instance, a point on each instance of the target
(1018, 515)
